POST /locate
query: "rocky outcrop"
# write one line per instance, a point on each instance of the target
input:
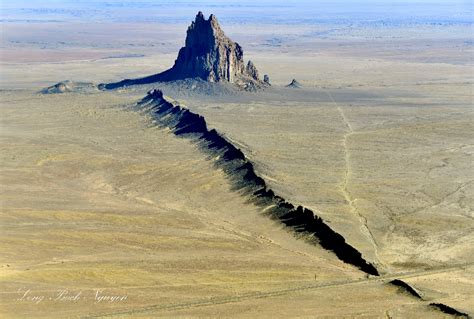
(252, 71)
(69, 86)
(450, 311)
(209, 55)
(240, 171)
(407, 288)
(294, 84)
(266, 79)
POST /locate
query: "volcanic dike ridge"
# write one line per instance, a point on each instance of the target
(182, 122)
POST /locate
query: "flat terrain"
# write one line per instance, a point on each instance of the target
(96, 200)
(102, 203)
(382, 160)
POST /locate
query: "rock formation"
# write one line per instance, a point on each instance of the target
(294, 84)
(266, 79)
(209, 55)
(69, 86)
(244, 178)
(252, 70)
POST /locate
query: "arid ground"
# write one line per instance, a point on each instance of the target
(105, 214)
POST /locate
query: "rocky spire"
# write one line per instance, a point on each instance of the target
(252, 70)
(266, 79)
(208, 54)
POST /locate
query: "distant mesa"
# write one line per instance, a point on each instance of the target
(69, 86)
(208, 55)
(294, 84)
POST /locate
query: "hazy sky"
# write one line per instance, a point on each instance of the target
(283, 11)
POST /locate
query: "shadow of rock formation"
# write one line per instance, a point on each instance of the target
(407, 288)
(450, 311)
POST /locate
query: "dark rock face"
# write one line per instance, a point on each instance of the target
(209, 55)
(252, 71)
(406, 287)
(266, 79)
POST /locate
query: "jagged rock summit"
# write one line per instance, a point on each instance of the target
(209, 55)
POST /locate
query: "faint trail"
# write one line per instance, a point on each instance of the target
(347, 195)
(438, 202)
(218, 300)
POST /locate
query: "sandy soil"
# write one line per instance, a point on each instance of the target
(383, 161)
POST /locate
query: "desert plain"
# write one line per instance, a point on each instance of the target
(105, 214)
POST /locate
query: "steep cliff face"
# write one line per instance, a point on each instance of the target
(209, 55)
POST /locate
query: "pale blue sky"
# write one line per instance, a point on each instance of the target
(280, 11)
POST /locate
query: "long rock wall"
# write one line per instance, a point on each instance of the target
(242, 174)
